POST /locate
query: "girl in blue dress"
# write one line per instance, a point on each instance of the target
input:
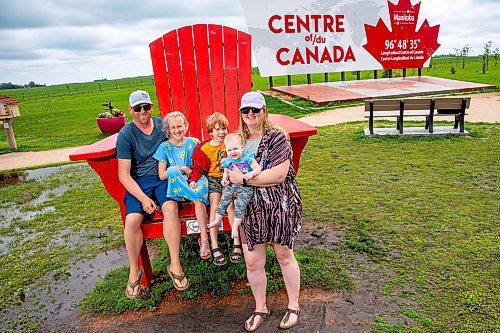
(174, 164)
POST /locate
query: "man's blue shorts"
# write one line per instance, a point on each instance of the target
(153, 187)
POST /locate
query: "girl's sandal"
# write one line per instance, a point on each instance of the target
(219, 260)
(284, 322)
(204, 254)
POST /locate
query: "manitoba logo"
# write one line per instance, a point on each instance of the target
(404, 46)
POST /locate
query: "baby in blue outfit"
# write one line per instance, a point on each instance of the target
(250, 168)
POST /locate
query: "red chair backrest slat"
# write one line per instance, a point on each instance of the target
(202, 69)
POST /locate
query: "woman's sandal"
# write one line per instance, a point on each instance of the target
(178, 278)
(262, 317)
(287, 316)
(133, 285)
(204, 254)
(219, 260)
(234, 256)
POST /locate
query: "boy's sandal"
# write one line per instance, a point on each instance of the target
(262, 317)
(204, 254)
(134, 285)
(178, 278)
(234, 256)
(219, 260)
(284, 322)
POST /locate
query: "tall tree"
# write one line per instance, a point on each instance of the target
(486, 56)
(457, 54)
(465, 52)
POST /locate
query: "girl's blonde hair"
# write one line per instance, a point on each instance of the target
(173, 114)
(266, 125)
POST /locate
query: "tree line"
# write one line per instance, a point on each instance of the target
(10, 85)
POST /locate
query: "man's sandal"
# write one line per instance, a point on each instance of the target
(204, 254)
(234, 256)
(262, 317)
(178, 278)
(284, 322)
(133, 285)
(219, 260)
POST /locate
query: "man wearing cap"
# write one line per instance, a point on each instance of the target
(138, 172)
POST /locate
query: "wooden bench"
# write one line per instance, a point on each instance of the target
(197, 81)
(417, 107)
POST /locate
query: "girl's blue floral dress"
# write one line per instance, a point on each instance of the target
(178, 186)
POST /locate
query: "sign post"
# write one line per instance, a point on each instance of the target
(9, 109)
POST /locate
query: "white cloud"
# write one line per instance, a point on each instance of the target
(58, 41)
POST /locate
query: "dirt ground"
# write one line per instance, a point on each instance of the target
(320, 311)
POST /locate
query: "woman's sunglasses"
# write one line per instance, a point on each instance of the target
(138, 108)
(250, 108)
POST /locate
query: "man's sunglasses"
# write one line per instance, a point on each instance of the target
(138, 108)
(250, 108)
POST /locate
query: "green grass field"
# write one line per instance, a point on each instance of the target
(426, 209)
(64, 115)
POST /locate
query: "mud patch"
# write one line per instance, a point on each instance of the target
(55, 298)
(320, 311)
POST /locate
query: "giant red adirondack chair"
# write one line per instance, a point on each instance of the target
(198, 70)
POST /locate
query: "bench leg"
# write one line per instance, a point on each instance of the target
(370, 124)
(400, 125)
(426, 122)
(457, 117)
(147, 278)
(397, 123)
(462, 124)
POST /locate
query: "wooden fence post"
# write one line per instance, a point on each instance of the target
(9, 133)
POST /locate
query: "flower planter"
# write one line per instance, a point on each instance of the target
(111, 125)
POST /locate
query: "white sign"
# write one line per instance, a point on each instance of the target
(315, 36)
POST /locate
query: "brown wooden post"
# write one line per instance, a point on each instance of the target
(9, 133)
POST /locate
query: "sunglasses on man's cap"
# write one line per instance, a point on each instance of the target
(139, 107)
(247, 109)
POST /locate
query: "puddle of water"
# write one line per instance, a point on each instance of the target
(51, 299)
(13, 178)
(9, 214)
(45, 195)
(21, 176)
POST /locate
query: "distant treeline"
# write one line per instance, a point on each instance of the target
(10, 85)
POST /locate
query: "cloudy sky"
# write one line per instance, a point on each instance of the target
(64, 41)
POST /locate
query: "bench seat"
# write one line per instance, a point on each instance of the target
(417, 107)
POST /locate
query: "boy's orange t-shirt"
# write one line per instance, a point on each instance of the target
(215, 154)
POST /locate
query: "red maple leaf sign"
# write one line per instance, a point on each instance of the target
(404, 46)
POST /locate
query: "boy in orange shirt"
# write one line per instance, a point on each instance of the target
(207, 161)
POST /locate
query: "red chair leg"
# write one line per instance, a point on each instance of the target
(147, 278)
